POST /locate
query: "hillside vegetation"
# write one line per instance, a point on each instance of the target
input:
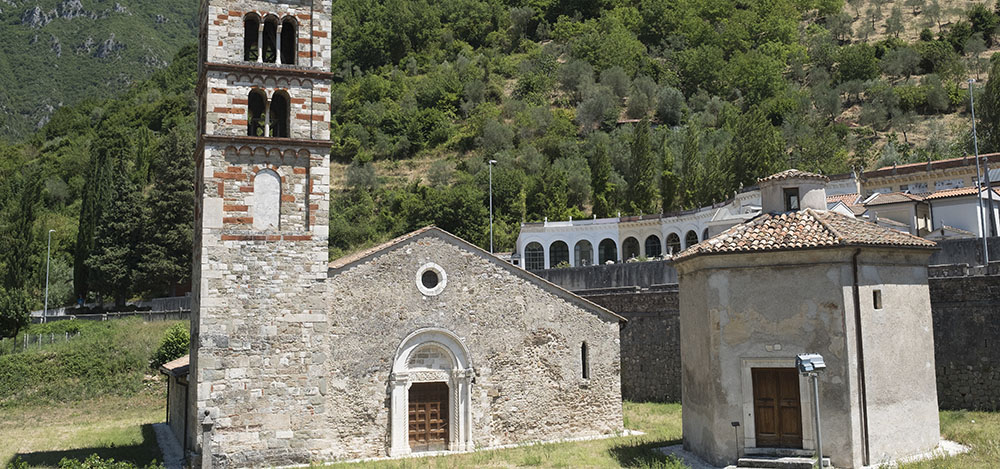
(590, 108)
(61, 52)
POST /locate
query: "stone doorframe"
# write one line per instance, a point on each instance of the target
(458, 379)
(805, 403)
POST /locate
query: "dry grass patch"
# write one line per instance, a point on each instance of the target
(112, 427)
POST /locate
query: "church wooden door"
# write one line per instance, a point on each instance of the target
(777, 409)
(428, 417)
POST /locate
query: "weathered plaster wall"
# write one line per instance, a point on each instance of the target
(899, 355)
(524, 344)
(650, 341)
(729, 315)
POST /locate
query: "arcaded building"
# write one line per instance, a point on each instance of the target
(424, 344)
(801, 279)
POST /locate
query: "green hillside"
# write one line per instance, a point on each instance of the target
(60, 52)
(590, 108)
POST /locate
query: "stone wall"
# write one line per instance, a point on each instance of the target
(966, 307)
(650, 341)
(964, 251)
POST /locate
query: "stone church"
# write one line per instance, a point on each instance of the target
(802, 279)
(424, 344)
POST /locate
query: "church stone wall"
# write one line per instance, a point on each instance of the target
(523, 342)
(651, 359)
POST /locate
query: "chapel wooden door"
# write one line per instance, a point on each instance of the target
(777, 408)
(428, 417)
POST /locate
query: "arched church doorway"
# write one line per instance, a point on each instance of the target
(430, 389)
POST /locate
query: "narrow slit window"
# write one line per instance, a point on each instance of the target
(877, 299)
(256, 110)
(279, 114)
(584, 361)
(270, 40)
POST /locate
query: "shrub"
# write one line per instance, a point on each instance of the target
(857, 62)
(95, 462)
(173, 346)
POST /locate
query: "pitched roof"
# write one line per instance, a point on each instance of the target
(793, 173)
(802, 230)
(893, 198)
(345, 263)
(925, 166)
(847, 199)
(178, 367)
(956, 192)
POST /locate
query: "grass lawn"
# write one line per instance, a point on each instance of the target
(113, 427)
(120, 428)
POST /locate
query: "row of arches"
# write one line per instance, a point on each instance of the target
(268, 117)
(607, 250)
(269, 40)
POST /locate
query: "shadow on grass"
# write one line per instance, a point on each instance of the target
(641, 453)
(141, 454)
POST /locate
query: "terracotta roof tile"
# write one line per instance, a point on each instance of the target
(793, 173)
(802, 230)
(956, 192)
(847, 199)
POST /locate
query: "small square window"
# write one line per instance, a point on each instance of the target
(877, 299)
(791, 199)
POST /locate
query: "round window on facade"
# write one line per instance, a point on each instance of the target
(431, 279)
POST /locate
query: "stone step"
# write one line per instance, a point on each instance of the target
(801, 453)
(776, 462)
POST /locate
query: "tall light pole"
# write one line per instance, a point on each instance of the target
(979, 176)
(48, 260)
(491, 163)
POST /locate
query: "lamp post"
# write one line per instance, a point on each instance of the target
(979, 178)
(810, 364)
(48, 260)
(491, 163)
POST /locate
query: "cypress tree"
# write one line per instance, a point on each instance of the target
(600, 175)
(641, 195)
(169, 215)
(114, 258)
(108, 146)
(988, 108)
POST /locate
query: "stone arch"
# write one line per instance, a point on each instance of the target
(673, 243)
(558, 253)
(266, 206)
(583, 252)
(431, 355)
(251, 37)
(256, 113)
(534, 256)
(279, 112)
(269, 39)
(288, 40)
(690, 239)
(630, 248)
(607, 250)
(653, 246)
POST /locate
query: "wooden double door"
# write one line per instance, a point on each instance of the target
(777, 408)
(428, 416)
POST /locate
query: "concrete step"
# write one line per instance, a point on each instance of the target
(776, 462)
(801, 453)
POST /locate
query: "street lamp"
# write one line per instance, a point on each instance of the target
(810, 364)
(48, 260)
(979, 178)
(491, 163)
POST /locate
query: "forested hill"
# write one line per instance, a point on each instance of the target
(60, 52)
(590, 108)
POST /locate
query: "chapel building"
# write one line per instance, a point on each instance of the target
(424, 344)
(801, 279)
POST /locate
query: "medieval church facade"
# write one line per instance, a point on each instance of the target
(426, 343)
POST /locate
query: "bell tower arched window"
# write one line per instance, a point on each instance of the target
(278, 115)
(256, 111)
(251, 37)
(270, 46)
(288, 41)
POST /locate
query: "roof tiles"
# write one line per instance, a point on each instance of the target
(802, 230)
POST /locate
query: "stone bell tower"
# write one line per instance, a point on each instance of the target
(260, 262)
